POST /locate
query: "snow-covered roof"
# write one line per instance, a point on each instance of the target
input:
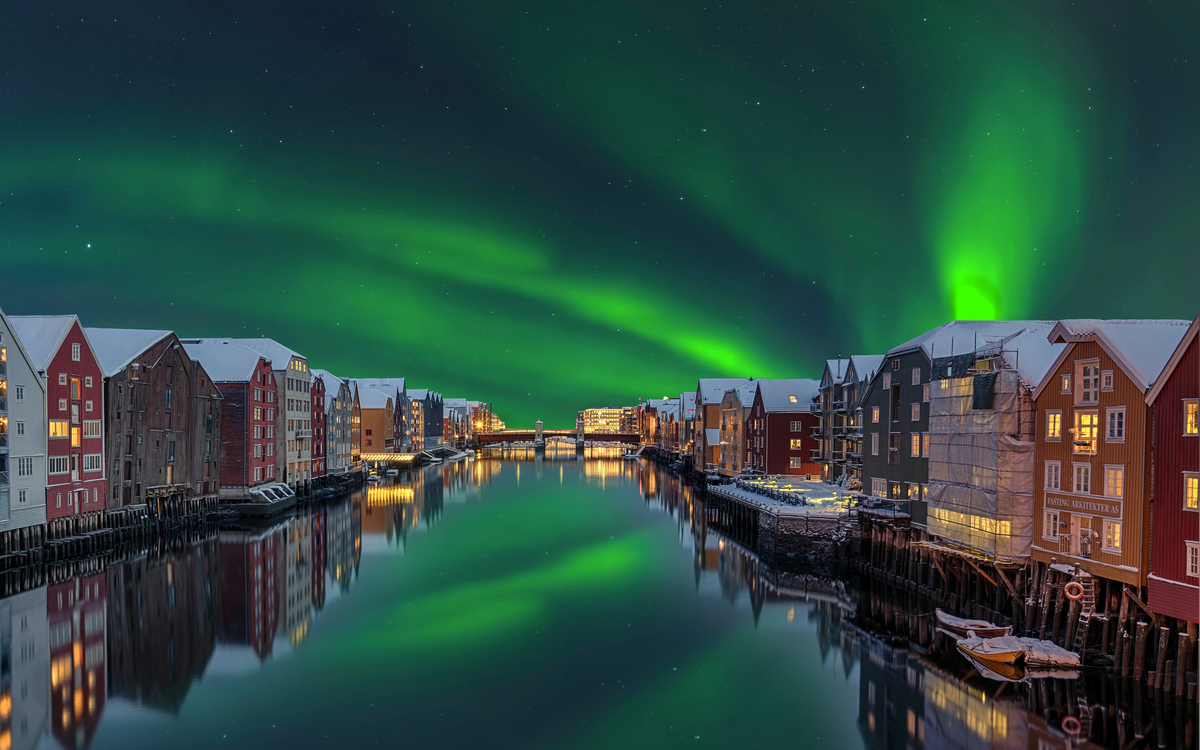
(788, 394)
(1031, 354)
(712, 435)
(372, 398)
(866, 365)
(275, 352)
(41, 384)
(116, 347)
(745, 393)
(965, 336)
(41, 335)
(458, 404)
(333, 384)
(688, 403)
(225, 362)
(1140, 347)
(418, 394)
(712, 390)
(1188, 340)
(385, 383)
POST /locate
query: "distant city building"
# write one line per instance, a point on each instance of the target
(610, 420)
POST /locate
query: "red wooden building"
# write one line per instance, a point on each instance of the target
(249, 595)
(76, 490)
(247, 385)
(318, 427)
(779, 428)
(1175, 537)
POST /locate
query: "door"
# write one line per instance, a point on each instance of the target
(74, 467)
(1081, 536)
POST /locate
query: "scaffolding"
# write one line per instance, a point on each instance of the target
(981, 462)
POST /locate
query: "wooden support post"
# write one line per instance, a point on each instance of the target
(1073, 612)
(1160, 662)
(1139, 651)
(1058, 616)
(1181, 663)
(1126, 653)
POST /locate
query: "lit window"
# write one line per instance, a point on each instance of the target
(916, 412)
(1050, 525)
(792, 399)
(1087, 428)
(1114, 481)
(59, 428)
(1053, 475)
(1054, 425)
(1191, 490)
(925, 444)
(797, 444)
(1083, 478)
(1064, 384)
(1116, 425)
(916, 444)
(1191, 417)
(1112, 535)
(796, 462)
(1193, 559)
(879, 487)
(875, 414)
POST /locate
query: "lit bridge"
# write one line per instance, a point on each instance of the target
(529, 436)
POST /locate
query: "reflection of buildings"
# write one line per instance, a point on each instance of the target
(78, 679)
(249, 605)
(343, 539)
(958, 714)
(162, 624)
(891, 697)
(295, 578)
(318, 558)
(24, 666)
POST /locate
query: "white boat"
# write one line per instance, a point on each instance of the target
(373, 477)
(393, 472)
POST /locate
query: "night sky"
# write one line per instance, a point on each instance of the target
(552, 205)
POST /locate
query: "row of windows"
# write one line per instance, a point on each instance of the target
(62, 464)
(1081, 531)
(918, 444)
(258, 431)
(264, 471)
(1081, 480)
(899, 490)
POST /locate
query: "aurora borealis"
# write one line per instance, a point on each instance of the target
(555, 205)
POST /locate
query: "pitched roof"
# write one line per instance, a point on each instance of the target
(866, 365)
(455, 403)
(225, 362)
(712, 390)
(397, 383)
(418, 394)
(688, 402)
(333, 384)
(964, 336)
(788, 394)
(372, 398)
(275, 352)
(41, 335)
(1140, 347)
(744, 393)
(1188, 339)
(116, 347)
(24, 352)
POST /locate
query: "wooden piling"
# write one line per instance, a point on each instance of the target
(1181, 663)
(1164, 634)
(1139, 651)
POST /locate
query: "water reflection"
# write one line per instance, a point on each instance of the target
(143, 629)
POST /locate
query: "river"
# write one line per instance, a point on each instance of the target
(512, 602)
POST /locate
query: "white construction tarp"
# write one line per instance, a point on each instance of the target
(980, 471)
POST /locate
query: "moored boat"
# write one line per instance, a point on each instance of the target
(995, 653)
(962, 627)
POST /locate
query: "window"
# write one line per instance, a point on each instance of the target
(887, 380)
(1064, 384)
(87, 406)
(270, 449)
(20, 428)
(1083, 478)
(24, 467)
(1112, 536)
(59, 465)
(20, 393)
(1050, 525)
(170, 450)
(1087, 427)
(62, 378)
(875, 414)
(87, 382)
(874, 443)
(796, 462)
(916, 444)
(1191, 416)
(925, 444)
(1191, 490)
(797, 444)
(59, 428)
(915, 413)
(925, 394)
(1116, 425)
(92, 428)
(1193, 559)
(74, 352)
(879, 487)
(1089, 383)
(1114, 481)
(1054, 425)
(916, 376)
(1106, 380)
(1053, 475)
(168, 398)
(258, 473)
(62, 404)
(367, 431)
(258, 432)
(797, 427)
(21, 496)
(91, 462)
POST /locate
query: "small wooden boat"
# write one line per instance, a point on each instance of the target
(373, 477)
(393, 472)
(997, 654)
(961, 627)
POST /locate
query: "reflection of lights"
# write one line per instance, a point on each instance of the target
(5, 739)
(791, 613)
(5, 705)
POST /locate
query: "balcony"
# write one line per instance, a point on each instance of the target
(814, 454)
(3, 478)
(3, 439)
(839, 406)
(814, 432)
(304, 433)
(3, 404)
(1085, 447)
(814, 409)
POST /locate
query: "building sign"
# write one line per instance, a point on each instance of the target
(1098, 506)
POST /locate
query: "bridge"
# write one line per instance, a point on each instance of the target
(529, 436)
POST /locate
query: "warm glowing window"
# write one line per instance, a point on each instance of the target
(879, 487)
(1054, 425)
(1112, 535)
(1191, 417)
(797, 444)
(1087, 428)
(925, 444)
(59, 428)
(76, 437)
(1191, 490)
(1064, 384)
(1089, 383)
(1114, 481)
(874, 414)
(916, 444)
(792, 399)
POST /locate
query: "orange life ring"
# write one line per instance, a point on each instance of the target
(1071, 725)
(1073, 591)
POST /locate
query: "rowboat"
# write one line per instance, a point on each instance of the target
(961, 627)
(994, 653)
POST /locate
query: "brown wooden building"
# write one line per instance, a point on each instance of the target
(1092, 490)
(162, 418)
(377, 413)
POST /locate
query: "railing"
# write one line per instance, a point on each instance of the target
(3, 403)
(814, 432)
(3, 478)
(839, 406)
(3, 439)
(815, 409)
(303, 433)
(3, 369)
(814, 454)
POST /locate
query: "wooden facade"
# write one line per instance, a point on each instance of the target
(780, 429)
(892, 467)
(317, 420)
(839, 442)
(1175, 533)
(709, 392)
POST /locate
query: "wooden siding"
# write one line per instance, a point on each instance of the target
(317, 443)
(1132, 455)
(61, 489)
(237, 460)
(1174, 454)
(907, 469)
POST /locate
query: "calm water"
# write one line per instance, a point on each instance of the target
(491, 603)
